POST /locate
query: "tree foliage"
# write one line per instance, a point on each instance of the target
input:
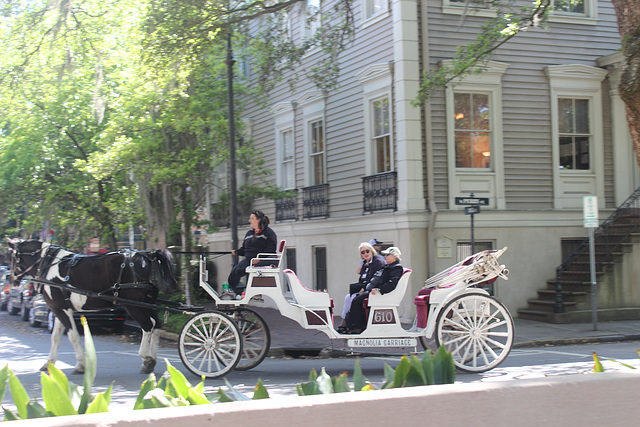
(106, 123)
(58, 77)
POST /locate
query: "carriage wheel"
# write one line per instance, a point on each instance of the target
(477, 330)
(210, 344)
(256, 338)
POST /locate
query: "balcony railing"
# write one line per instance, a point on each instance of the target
(315, 201)
(220, 215)
(287, 208)
(380, 192)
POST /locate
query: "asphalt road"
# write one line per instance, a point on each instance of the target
(25, 350)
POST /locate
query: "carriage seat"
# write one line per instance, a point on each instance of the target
(393, 298)
(268, 260)
(305, 296)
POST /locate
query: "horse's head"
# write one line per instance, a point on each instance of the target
(162, 273)
(25, 255)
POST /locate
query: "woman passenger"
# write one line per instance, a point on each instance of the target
(385, 280)
(370, 264)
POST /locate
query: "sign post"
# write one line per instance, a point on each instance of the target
(473, 207)
(590, 217)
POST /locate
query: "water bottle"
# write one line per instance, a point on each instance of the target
(225, 286)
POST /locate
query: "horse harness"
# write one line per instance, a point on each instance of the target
(50, 259)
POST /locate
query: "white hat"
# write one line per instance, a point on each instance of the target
(375, 242)
(393, 251)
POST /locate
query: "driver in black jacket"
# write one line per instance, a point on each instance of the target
(259, 239)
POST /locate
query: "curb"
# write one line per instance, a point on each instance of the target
(555, 342)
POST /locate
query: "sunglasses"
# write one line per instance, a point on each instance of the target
(366, 251)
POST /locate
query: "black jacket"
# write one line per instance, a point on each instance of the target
(386, 279)
(367, 272)
(256, 242)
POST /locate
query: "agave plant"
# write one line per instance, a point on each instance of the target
(60, 396)
(435, 368)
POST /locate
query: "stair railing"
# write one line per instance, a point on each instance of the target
(601, 232)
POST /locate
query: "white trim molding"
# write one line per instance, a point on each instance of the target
(626, 176)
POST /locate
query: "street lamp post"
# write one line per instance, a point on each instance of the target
(233, 197)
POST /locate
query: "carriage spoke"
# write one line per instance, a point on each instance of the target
(199, 338)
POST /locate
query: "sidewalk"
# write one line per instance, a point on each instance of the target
(287, 337)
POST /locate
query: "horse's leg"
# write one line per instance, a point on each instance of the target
(64, 324)
(149, 350)
(76, 342)
(148, 321)
(56, 337)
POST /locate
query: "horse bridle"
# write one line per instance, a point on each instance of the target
(15, 261)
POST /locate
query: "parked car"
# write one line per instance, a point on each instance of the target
(4, 289)
(39, 313)
(20, 298)
(112, 318)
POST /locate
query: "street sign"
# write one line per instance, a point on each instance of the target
(470, 210)
(590, 211)
(477, 201)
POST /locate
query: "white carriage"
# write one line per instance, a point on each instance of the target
(453, 308)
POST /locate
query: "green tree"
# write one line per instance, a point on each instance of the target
(58, 86)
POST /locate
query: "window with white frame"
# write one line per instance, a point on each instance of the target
(284, 114)
(574, 7)
(580, 11)
(312, 18)
(287, 160)
(375, 7)
(286, 25)
(382, 135)
(474, 135)
(317, 152)
(472, 117)
(378, 125)
(574, 134)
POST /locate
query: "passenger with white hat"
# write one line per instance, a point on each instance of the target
(385, 280)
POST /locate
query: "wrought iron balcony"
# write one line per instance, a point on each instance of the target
(315, 201)
(220, 215)
(287, 208)
(380, 192)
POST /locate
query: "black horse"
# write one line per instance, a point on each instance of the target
(93, 282)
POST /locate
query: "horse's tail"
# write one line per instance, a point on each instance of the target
(162, 273)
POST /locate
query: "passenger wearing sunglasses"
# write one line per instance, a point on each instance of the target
(385, 280)
(370, 264)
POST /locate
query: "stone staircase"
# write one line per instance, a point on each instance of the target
(617, 236)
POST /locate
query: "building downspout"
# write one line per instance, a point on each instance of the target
(433, 209)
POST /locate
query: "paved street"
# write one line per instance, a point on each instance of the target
(25, 350)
